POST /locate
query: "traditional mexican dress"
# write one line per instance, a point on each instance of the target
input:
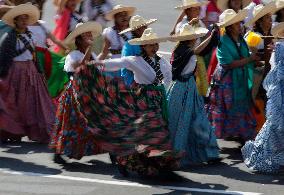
(190, 129)
(70, 135)
(23, 90)
(50, 63)
(117, 42)
(266, 152)
(230, 105)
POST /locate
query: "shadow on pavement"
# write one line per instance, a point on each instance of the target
(25, 148)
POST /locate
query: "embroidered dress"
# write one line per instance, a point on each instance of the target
(190, 129)
(266, 152)
(229, 108)
(23, 91)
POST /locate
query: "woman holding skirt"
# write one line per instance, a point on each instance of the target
(188, 123)
(22, 86)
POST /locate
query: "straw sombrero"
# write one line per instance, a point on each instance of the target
(118, 9)
(261, 10)
(81, 28)
(229, 17)
(148, 37)
(188, 33)
(191, 3)
(58, 3)
(137, 22)
(23, 9)
(279, 5)
(224, 4)
(278, 30)
(4, 9)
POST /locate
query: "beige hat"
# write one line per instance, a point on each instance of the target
(224, 4)
(118, 9)
(137, 22)
(278, 30)
(261, 10)
(188, 33)
(57, 3)
(94, 27)
(191, 3)
(4, 9)
(279, 5)
(229, 17)
(148, 37)
(23, 9)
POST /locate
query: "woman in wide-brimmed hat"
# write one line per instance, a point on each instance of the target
(70, 135)
(137, 25)
(23, 86)
(230, 107)
(131, 122)
(236, 5)
(279, 12)
(189, 127)
(66, 20)
(265, 153)
(261, 23)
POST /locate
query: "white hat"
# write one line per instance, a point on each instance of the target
(191, 3)
(94, 27)
(118, 9)
(224, 4)
(148, 37)
(23, 9)
(261, 10)
(278, 30)
(229, 17)
(137, 22)
(188, 33)
(4, 9)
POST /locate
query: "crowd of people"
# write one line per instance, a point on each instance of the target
(88, 88)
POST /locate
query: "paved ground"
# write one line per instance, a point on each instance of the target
(27, 168)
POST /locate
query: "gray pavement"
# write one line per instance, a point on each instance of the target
(27, 168)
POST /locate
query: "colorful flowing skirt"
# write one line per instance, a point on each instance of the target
(127, 122)
(190, 129)
(27, 105)
(228, 123)
(266, 152)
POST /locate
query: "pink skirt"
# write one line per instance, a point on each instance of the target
(26, 109)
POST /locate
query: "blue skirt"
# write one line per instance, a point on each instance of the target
(189, 127)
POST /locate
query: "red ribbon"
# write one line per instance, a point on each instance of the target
(47, 60)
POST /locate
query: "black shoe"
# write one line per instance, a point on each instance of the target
(113, 159)
(57, 158)
(122, 170)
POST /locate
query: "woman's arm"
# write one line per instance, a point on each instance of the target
(105, 50)
(112, 65)
(56, 41)
(242, 62)
(178, 21)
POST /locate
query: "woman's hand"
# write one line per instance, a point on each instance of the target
(193, 21)
(255, 57)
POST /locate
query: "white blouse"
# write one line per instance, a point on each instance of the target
(116, 41)
(39, 33)
(190, 67)
(143, 72)
(185, 21)
(72, 60)
(27, 55)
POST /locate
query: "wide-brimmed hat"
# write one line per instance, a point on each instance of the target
(191, 3)
(224, 4)
(58, 3)
(278, 29)
(279, 5)
(148, 37)
(94, 27)
(23, 9)
(188, 33)
(4, 9)
(229, 17)
(261, 10)
(118, 9)
(137, 22)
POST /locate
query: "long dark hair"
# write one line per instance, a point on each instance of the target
(257, 27)
(230, 7)
(279, 16)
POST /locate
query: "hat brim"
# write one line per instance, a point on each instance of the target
(129, 10)
(23, 9)
(196, 35)
(147, 23)
(139, 41)
(279, 7)
(268, 9)
(240, 16)
(223, 5)
(4, 9)
(94, 27)
(198, 4)
(277, 29)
